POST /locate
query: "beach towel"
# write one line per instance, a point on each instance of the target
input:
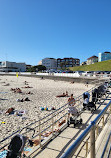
(21, 112)
(3, 154)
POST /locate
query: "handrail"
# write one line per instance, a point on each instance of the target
(69, 153)
(102, 112)
(106, 145)
(109, 152)
(73, 147)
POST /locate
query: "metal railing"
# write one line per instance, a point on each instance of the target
(106, 145)
(49, 122)
(89, 130)
(59, 74)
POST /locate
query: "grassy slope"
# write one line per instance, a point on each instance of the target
(100, 66)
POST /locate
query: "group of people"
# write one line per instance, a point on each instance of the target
(71, 101)
(96, 93)
(16, 90)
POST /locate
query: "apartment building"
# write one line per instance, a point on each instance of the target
(49, 63)
(67, 62)
(104, 56)
(6, 66)
(92, 60)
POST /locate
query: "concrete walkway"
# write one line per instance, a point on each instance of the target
(56, 147)
(101, 141)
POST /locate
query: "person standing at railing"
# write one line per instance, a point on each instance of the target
(72, 110)
(71, 100)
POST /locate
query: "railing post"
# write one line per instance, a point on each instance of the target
(92, 141)
(110, 109)
(97, 130)
(86, 147)
(103, 122)
(40, 134)
(52, 123)
(66, 116)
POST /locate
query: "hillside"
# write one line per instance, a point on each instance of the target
(100, 66)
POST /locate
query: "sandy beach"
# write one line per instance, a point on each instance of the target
(44, 94)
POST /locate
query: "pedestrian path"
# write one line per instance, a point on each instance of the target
(57, 146)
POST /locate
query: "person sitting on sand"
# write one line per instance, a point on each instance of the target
(16, 90)
(86, 84)
(72, 82)
(22, 100)
(26, 83)
(66, 93)
(27, 99)
(29, 92)
(34, 142)
(10, 111)
(27, 87)
(7, 84)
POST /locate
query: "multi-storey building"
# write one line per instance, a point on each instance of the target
(49, 63)
(67, 62)
(92, 60)
(104, 56)
(6, 66)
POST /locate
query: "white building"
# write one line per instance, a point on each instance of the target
(92, 60)
(40, 62)
(6, 66)
(49, 63)
(104, 56)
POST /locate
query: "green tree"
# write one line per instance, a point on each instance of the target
(36, 68)
(41, 67)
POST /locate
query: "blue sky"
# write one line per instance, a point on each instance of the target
(31, 30)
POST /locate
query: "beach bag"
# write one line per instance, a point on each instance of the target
(15, 147)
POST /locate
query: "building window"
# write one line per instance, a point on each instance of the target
(3, 63)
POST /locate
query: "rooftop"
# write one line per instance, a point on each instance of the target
(92, 57)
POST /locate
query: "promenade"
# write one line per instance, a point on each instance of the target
(56, 147)
(69, 77)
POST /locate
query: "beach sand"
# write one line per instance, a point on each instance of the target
(44, 94)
